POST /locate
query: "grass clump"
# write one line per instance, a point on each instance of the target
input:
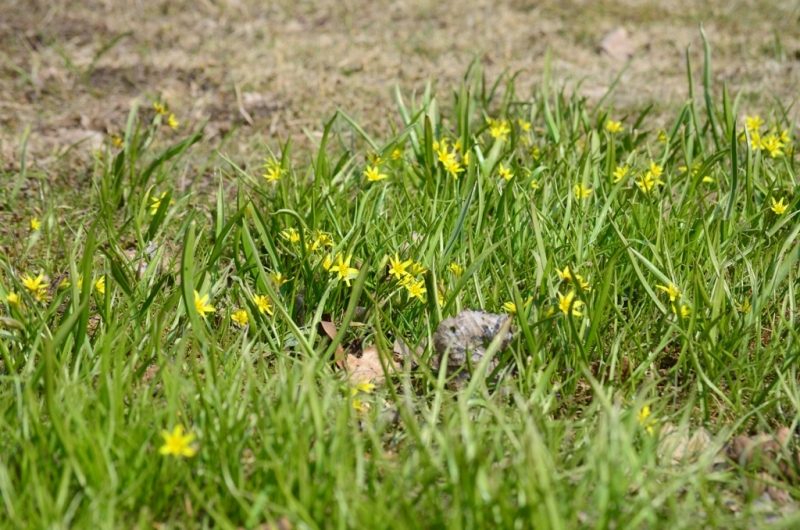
(164, 360)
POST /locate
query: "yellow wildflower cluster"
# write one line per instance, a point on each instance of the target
(645, 421)
(675, 295)
(37, 286)
(775, 144)
(651, 178)
(576, 279)
(406, 273)
(454, 161)
(498, 128)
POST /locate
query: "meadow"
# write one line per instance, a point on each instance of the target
(264, 357)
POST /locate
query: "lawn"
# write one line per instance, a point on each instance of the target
(197, 333)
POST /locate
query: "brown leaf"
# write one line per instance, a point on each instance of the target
(366, 368)
(329, 328)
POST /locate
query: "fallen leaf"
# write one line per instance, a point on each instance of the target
(329, 328)
(366, 368)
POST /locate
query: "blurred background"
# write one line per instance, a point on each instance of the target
(70, 70)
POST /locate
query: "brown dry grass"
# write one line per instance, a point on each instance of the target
(277, 67)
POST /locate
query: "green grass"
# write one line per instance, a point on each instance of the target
(90, 380)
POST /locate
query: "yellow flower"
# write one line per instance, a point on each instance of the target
(13, 299)
(442, 154)
(753, 123)
(322, 239)
(160, 109)
(510, 307)
(278, 279)
(100, 285)
(453, 167)
(581, 191)
(156, 203)
(565, 274)
(116, 141)
(685, 311)
(456, 269)
(35, 224)
(360, 406)
(643, 421)
(327, 262)
(536, 152)
(655, 169)
(442, 298)
(772, 144)
(416, 290)
(671, 290)
(524, 125)
(498, 128)
(614, 126)
(778, 207)
(263, 303)
(648, 181)
(41, 295)
(343, 270)
(397, 154)
(744, 307)
(273, 170)
(662, 136)
(240, 317)
(177, 443)
(397, 268)
(172, 122)
(202, 305)
(570, 276)
(291, 235)
(373, 174)
(505, 172)
(784, 136)
(374, 158)
(755, 141)
(364, 387)
(417, 269)
(34, 284)
(568, 305)
(620, 173)
(534, 184)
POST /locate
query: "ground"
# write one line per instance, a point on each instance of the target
(71, 69)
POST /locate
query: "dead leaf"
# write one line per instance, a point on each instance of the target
(617, 45)
(329, 328)
(366, 368)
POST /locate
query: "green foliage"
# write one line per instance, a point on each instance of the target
(91, 377)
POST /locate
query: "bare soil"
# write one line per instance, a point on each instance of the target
(274, 68)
